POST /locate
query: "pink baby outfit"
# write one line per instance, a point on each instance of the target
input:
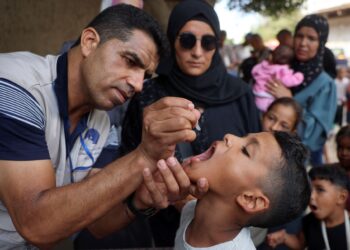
(263, 72)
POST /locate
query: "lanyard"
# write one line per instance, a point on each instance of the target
(347, 231)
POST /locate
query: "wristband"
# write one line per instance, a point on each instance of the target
(140, 213)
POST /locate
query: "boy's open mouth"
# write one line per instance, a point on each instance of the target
(206, 155)
(313, 207)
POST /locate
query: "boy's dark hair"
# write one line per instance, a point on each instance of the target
(119, 21)
(287, 185)
(343, 132)
(336, 175)
(288, 101)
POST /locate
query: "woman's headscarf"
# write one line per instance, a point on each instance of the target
(312, 68)
(213, 87)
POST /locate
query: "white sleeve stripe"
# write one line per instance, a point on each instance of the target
(19, 104)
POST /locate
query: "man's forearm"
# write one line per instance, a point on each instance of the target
(57, 213)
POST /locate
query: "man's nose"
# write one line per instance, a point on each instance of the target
(136, 80)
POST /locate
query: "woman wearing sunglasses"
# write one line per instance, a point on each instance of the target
(194, 71)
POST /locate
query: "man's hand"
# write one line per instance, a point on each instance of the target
(166, 122)
(167, 186)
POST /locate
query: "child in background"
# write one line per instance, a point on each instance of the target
(277, 68)
(284, 114)
(257, 180)
(327, 226)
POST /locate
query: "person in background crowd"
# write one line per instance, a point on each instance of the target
(227, 54)
(317, 94)
(342, 83)
(285, 37)
(328, 224)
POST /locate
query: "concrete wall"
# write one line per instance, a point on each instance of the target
(339, 33)
(41, 26)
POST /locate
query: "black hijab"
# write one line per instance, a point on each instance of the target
(312, 68)
(213, 87)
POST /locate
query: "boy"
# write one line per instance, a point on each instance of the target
(327, 226)
(258, 180)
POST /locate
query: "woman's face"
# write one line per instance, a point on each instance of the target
(194, 61)
(306, 43)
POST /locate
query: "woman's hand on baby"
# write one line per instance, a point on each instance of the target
(276, 88)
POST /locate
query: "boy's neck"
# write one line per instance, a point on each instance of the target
(210, 227)
(336, 218)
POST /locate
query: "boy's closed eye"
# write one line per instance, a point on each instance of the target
(245, 151)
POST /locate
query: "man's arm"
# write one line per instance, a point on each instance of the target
(44, 214)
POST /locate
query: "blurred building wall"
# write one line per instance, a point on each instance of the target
(41, 26)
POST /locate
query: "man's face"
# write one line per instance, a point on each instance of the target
(114, 70)
(236, 164)
(324, 198)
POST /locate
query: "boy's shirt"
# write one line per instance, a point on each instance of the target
(313, 234)
(241, 241)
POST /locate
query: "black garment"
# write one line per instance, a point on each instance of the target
(313, 234)
(312, 68)
(238, 117)
(214, 86)
(329, 63)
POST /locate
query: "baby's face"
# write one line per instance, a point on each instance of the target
(235, 164)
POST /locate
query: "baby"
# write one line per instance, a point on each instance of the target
(277, 68)
(258, 180)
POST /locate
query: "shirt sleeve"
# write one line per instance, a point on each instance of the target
(22, 124)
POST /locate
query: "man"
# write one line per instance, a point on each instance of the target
(53, 129)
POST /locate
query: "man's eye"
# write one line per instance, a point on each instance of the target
(245, 151)
(130, 62)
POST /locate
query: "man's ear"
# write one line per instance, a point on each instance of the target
(253, 201)
(89, 40)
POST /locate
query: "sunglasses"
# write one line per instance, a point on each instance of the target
(188, 41)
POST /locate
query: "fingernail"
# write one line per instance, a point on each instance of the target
(161, 164)
(202, 182)
(146, 172)
(191, 106)
(171, 161)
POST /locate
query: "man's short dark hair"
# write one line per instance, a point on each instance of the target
(119, 21)
(336, 175)
(287, 185)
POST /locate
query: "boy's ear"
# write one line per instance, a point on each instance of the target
(342, 197)
(253, 201)
(89, 40)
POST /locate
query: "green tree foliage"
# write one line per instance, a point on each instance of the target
(274, 8)
(272, 25)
